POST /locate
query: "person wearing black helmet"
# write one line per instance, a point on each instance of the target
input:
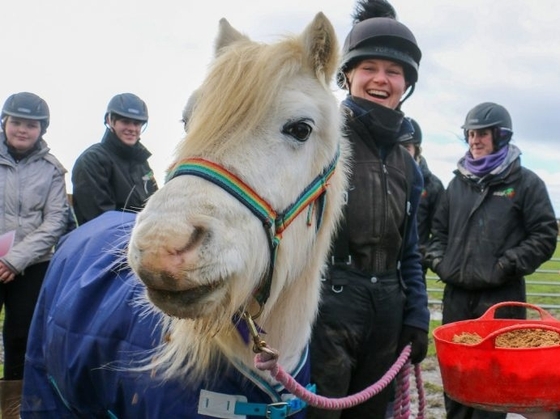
(374, 300)
(114, 174)
(34, 212)
(495, 224)
(431, 194)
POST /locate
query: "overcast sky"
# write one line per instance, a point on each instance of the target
(78, 54)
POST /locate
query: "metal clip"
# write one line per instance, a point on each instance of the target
(337, 289)
(259, 345)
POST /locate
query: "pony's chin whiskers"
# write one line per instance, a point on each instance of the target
(190, 348)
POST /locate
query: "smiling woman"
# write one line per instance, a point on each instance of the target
(115, 174)
(495, 225)
(34, 211)
(374, 301)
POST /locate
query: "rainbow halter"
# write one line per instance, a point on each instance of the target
(274, 222)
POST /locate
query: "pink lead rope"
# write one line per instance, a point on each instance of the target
(402, 366)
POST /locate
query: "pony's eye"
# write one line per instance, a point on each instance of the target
(299, 130)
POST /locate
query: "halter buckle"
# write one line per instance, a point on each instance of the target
(277, 410)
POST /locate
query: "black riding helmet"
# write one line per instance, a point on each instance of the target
(413, 138)
(416, 137)
(28, 106)
(381, 37)
(128, 105)
(490, 115)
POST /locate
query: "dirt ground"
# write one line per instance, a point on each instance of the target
(433, 389)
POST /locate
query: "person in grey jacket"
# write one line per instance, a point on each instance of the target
(34, 214)
(494, 225)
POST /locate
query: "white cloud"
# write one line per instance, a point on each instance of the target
(77, 55)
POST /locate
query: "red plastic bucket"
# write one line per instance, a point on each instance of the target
(495, 378)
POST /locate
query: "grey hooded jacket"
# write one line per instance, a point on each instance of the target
(33, 202)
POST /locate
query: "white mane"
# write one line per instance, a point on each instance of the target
(202, 253)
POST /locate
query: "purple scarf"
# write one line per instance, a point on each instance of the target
(482, 166)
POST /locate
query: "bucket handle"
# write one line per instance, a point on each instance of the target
(489, 342)
(489, 314)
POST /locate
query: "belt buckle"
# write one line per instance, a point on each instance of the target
(282, 406)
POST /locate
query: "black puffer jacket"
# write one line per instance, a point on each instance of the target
(385, 184)
(111, 175)
(493, 230)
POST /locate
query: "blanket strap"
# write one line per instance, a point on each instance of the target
(226, 406)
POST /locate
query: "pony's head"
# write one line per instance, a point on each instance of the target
(245, 218)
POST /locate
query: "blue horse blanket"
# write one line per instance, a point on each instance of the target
(88, 326)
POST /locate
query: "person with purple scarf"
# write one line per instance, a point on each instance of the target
(495, 224)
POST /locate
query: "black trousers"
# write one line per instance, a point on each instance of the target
(460, 304)
(354, 340)
(18, 299)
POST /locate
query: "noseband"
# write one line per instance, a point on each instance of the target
(274, 222)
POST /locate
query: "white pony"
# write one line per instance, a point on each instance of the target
(265, 114)
(238, 235)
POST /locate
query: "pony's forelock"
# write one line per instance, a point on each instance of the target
(241, 88)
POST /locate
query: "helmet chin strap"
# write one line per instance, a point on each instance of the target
(342, 80)
(107, 121)
(408, 93)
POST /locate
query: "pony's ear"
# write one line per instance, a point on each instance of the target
(321, 44)
(227, 35)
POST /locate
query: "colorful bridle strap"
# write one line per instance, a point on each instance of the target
(229, 182)
(274, 223)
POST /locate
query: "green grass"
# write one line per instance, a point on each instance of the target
(553, 287)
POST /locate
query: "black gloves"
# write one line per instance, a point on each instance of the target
(419, 340)
(431, 260)
(434, 264)
(507, 266)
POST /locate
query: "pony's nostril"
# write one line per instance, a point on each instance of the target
(195, 239)
(197, 236)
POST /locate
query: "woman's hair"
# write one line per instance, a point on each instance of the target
(366, 9)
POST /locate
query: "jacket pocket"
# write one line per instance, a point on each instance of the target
(448, 274)
(475, 275)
